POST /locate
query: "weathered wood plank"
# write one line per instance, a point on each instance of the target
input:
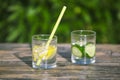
(16, 60)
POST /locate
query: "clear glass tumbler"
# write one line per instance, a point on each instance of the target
(42, 57)
(83, 46)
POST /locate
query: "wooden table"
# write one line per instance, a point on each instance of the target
(15, 64)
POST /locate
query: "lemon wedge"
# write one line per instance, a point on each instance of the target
(40, 54)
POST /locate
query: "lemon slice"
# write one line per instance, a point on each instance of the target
(39, 53)
(48, 54)
(51, 52)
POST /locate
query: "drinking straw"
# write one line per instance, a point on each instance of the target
(56, 26)
(53, 31)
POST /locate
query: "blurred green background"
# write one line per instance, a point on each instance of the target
(20, 19)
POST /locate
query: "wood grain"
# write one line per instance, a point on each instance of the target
(15, 64)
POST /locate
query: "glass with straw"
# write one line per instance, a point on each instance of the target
(44, 47)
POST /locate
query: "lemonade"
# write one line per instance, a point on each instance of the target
(46, 56)
(43, 57)
(40, 55)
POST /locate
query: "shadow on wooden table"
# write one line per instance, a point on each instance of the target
(25, 57)
(65, 52)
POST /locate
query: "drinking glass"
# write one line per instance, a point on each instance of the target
(43, 57)
(83, 46)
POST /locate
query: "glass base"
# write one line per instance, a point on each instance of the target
(44, 66)
(76, 60)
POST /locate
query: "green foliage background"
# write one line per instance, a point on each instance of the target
(20, 19)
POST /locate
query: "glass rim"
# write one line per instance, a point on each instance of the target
(43, 35)
(87, 32)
